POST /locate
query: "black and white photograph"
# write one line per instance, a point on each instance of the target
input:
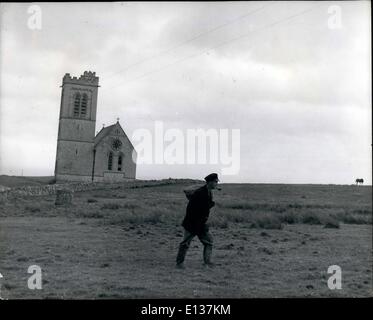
(185, 150)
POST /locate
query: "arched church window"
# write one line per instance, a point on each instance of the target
(110, 161)
(80, 105)
(120, 163)
(77, 104)
(83, 106)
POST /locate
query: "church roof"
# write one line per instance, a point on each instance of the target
(106, 131)
(103, 133)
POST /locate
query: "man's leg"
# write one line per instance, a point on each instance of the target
(183, 247)
(207, 241)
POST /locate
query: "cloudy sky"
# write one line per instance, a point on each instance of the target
(293, 77)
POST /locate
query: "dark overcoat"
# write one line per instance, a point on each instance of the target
(198, 210)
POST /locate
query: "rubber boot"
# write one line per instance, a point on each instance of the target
(181, 256)
(207, 252)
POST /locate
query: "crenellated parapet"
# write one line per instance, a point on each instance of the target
(88, 78)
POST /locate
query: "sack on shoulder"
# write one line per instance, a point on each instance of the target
(189, 191)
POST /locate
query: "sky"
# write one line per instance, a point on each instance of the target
(294, 78)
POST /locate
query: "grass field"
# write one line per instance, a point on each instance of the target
(269, 241)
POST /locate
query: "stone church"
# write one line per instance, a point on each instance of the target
(108, 156)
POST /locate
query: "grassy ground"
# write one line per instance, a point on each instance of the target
(270, 241)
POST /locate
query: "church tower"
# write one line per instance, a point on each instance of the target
(76, 130)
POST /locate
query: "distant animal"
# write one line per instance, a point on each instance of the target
(359, 180)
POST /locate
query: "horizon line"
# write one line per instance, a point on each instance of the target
(244, 182)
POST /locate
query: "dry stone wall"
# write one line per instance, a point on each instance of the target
(25, 191)
(52, 189)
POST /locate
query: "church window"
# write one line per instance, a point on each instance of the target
(80, 105)
(120, 163)
(77, 104)
(116, 144)
(110, 162)
(83, 106)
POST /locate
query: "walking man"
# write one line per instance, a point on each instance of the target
(195, 221)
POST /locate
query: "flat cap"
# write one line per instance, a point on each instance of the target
(212, 177)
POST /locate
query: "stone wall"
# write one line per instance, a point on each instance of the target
(52, 189)
(44, 190)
